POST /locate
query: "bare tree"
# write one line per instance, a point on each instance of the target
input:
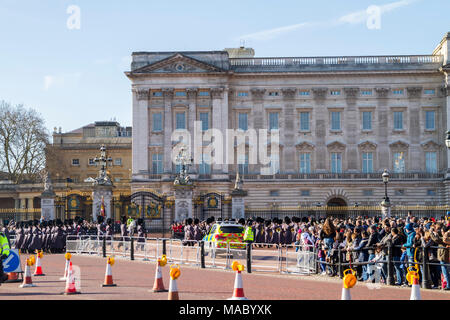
(23, 139)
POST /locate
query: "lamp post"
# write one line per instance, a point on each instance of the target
(386, 204)
(447, 139)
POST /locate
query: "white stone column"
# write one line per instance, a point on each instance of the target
(168, 96)
(140, 132)
(219, 118)
(191, 118)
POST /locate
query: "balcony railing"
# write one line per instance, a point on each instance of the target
(350, 60)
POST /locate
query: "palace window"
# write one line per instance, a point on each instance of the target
(243, 121)
(91, 162)
(366, 92)
(305, 193)
(75, 162)
(203, 93)
(181, 120)
(118, 161)
(273, 93)
(335, 92)
(274, 164)
(157, 94)
(303, 92)
(399, 162)
(205, 165)
(431, 192)
(430, 120)
(204, 118)
(157, 122)
(274, 193)
(273, 120)
(305, 162)
(243, 163)
(429, 91)
(180, 94)
(336, 162)
(397, 91)
(398, 120)
(367, 120)
(336, 120)
(368, 192)
(304, 121)
(430, 162)
(157, 163)
(367, 165)
(242, 94)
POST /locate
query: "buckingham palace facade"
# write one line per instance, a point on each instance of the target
(341, 122)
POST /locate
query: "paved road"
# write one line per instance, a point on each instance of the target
(134, 279)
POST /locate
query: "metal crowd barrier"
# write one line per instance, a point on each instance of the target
(299, 259)
(266, 259)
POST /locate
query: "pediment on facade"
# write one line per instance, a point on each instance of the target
(369, 145)
(178, 63)
(336, 145)
(305, 145)
(399, 144)
(430, 145)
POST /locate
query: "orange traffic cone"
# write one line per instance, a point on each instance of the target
(13, 277)
(108, 274)
(27, 281)
(38, 272)
(159, 285)
(238, 293)
(349, 282)
(173, 288)
(415, 289)
(70, 282)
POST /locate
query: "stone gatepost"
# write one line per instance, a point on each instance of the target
(48, 199)
(102, 192)
(183, 202)
(237, 200)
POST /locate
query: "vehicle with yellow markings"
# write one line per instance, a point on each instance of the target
(224, 233)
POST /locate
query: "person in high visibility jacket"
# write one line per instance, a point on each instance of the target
(4, 253)
(249, 235)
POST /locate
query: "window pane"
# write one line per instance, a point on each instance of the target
(399, 162)
(204, 118)
(181, 121)
(367, 162)
(274, 164)
(398, 120)
(157, 163)
(157, 122)
(243, 164)
(336, 162)
(430, 117)
(335, 120)
(431, 163)
(304, 121)
(367, 120)
(243, 124)
(205, 166)
(305, 163)
(273, 120)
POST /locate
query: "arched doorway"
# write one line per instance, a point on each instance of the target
(336, 202)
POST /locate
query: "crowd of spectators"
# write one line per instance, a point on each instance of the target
(361, 241)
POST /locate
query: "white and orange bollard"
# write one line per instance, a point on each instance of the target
(159, 285)
(349, 282)
(67, 256)
(108, 274)
(38, 272)
(173, 287)
(27, 280)
(238, 292)
(70, 282)
(413, 278)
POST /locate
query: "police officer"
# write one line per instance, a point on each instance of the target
(249, 235)
(4, 253)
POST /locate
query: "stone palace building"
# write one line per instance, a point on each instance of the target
(341, 120)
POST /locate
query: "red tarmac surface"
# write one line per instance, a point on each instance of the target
(134, 279)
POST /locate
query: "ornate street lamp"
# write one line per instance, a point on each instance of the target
(386, 204)
(447, 139)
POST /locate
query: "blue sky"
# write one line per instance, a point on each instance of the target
(75, 77)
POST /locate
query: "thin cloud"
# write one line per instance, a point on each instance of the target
(58, 81)
(356, 17)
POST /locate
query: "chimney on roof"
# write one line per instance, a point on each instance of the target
(241, 52)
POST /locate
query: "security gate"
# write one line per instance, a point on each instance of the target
(212, 205)
(150, 207)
